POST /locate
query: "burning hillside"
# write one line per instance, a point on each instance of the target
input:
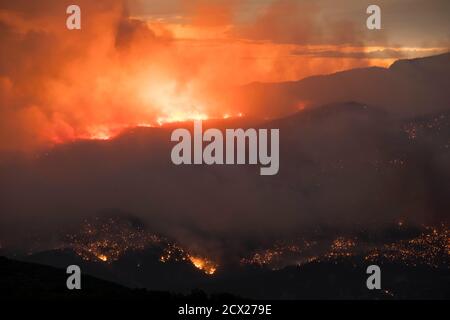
(106, 239)
(431, 248)
(321, 263)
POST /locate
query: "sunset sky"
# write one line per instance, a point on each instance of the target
(144, 63)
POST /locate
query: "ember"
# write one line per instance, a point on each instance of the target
(431, 248)
(106, 240)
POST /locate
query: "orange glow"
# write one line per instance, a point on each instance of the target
(102, 257)
(123, 71)
(203, 264)
(180, 116)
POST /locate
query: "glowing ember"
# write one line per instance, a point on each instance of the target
(281, 254)
(341, 247)
(431, 248)
(107, 239)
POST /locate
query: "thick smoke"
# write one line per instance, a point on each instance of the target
(121, 71)
(345, 164)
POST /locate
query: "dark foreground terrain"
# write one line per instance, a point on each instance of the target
(317, 280)
(23, 280)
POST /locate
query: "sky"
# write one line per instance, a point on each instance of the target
(406, 23)
(145, 63)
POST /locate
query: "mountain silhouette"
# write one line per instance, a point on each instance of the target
(407, 88)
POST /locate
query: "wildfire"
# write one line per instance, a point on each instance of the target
(431, 248)
(203, 264)
(107, 240)
(104, 133)
(280, 253)
(181, 116)
(341, 247)
(103, 257)
(174, 252)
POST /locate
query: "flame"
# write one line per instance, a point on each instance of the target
(100, 133)
(203, 264)
(182, 116)
(102, 257)
(174, 104)
(107, 239)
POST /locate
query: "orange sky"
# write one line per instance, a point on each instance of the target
(129, 67)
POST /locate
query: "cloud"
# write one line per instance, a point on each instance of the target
(308, 23)
(416, 23)
(286, 22)
(357, 53)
